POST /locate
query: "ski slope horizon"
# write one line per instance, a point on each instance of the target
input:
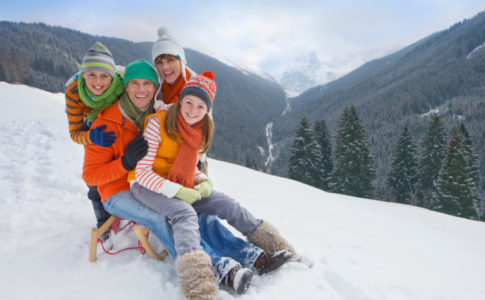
(360, 248)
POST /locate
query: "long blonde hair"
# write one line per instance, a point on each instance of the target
(170, 127)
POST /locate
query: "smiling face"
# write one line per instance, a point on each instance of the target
(193, 109)
(97, 81)
(141, 92)
(169, 67)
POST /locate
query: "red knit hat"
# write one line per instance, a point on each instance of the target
(202, 86)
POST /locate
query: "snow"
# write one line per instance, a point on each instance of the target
(474, 51)
(360, 249)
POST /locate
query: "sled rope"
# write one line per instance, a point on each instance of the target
(141, 232)
(116, 229)
(139, 247)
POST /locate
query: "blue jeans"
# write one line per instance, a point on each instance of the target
(224, 243)
(225, 249)
(99, 212)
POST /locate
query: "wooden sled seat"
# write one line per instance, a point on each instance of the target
(140, 231)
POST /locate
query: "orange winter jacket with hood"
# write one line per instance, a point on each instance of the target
(102, 165)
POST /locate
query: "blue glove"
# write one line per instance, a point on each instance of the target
(102, 138)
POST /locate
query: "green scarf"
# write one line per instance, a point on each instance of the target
(134, 113)
(104, 100)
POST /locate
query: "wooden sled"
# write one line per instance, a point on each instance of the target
(141, 233)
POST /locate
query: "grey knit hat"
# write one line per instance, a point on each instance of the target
(98, 58)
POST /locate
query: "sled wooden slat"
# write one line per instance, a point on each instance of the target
(96, 233)
(140, 231)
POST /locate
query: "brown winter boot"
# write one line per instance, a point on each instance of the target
(197, 278)
(238, 279)
(269, 239)
(266, 262)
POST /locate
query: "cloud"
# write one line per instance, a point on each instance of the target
(259, 35)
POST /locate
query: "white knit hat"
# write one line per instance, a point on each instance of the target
(166, 45)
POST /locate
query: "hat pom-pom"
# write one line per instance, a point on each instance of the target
(162, 31)
(209, 74)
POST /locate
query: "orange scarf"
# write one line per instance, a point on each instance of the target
(185, 163)
(171, 92)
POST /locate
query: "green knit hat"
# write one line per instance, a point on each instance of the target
(140, 69)
(98, 58)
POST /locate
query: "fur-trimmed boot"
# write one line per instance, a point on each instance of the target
(269, 239)
(197, 278)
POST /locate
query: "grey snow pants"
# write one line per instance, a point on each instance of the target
(183, 216)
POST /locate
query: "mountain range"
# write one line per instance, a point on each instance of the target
(46, 56)
(443, 73)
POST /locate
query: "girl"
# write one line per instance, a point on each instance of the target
(96, 86)
(168, 182)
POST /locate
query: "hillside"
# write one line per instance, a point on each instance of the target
(46, 56)
(360, 248)
(444, 72)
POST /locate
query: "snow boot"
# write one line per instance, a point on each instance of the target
(198, 280)
(266, 262)
(269, 239)
(238, 279)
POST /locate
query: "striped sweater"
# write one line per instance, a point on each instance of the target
(77, 113)
(144, 172)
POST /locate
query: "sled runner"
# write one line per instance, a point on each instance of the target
(141, 233)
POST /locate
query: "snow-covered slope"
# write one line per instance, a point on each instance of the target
(361, 249)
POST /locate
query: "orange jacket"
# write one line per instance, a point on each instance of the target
(165, 156)
(102, 165)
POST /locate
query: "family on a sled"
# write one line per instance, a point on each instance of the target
(145, 134)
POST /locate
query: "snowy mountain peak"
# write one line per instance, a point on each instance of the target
(305, 72)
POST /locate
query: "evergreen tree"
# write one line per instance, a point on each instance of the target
(453, 194)
(354, 172)
(304, 157)
(402, 178)
(432, 154)
(322, 137)
(471, 160)
(250, 162)
(473, 170)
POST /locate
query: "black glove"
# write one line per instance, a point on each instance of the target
(135, 151)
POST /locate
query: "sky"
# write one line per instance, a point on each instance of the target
(264, 36)
(360, 249)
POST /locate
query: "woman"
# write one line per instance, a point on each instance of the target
(169, 60)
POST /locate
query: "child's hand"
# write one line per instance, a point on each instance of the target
(197, 180)
(188, 195)
(204, 188)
